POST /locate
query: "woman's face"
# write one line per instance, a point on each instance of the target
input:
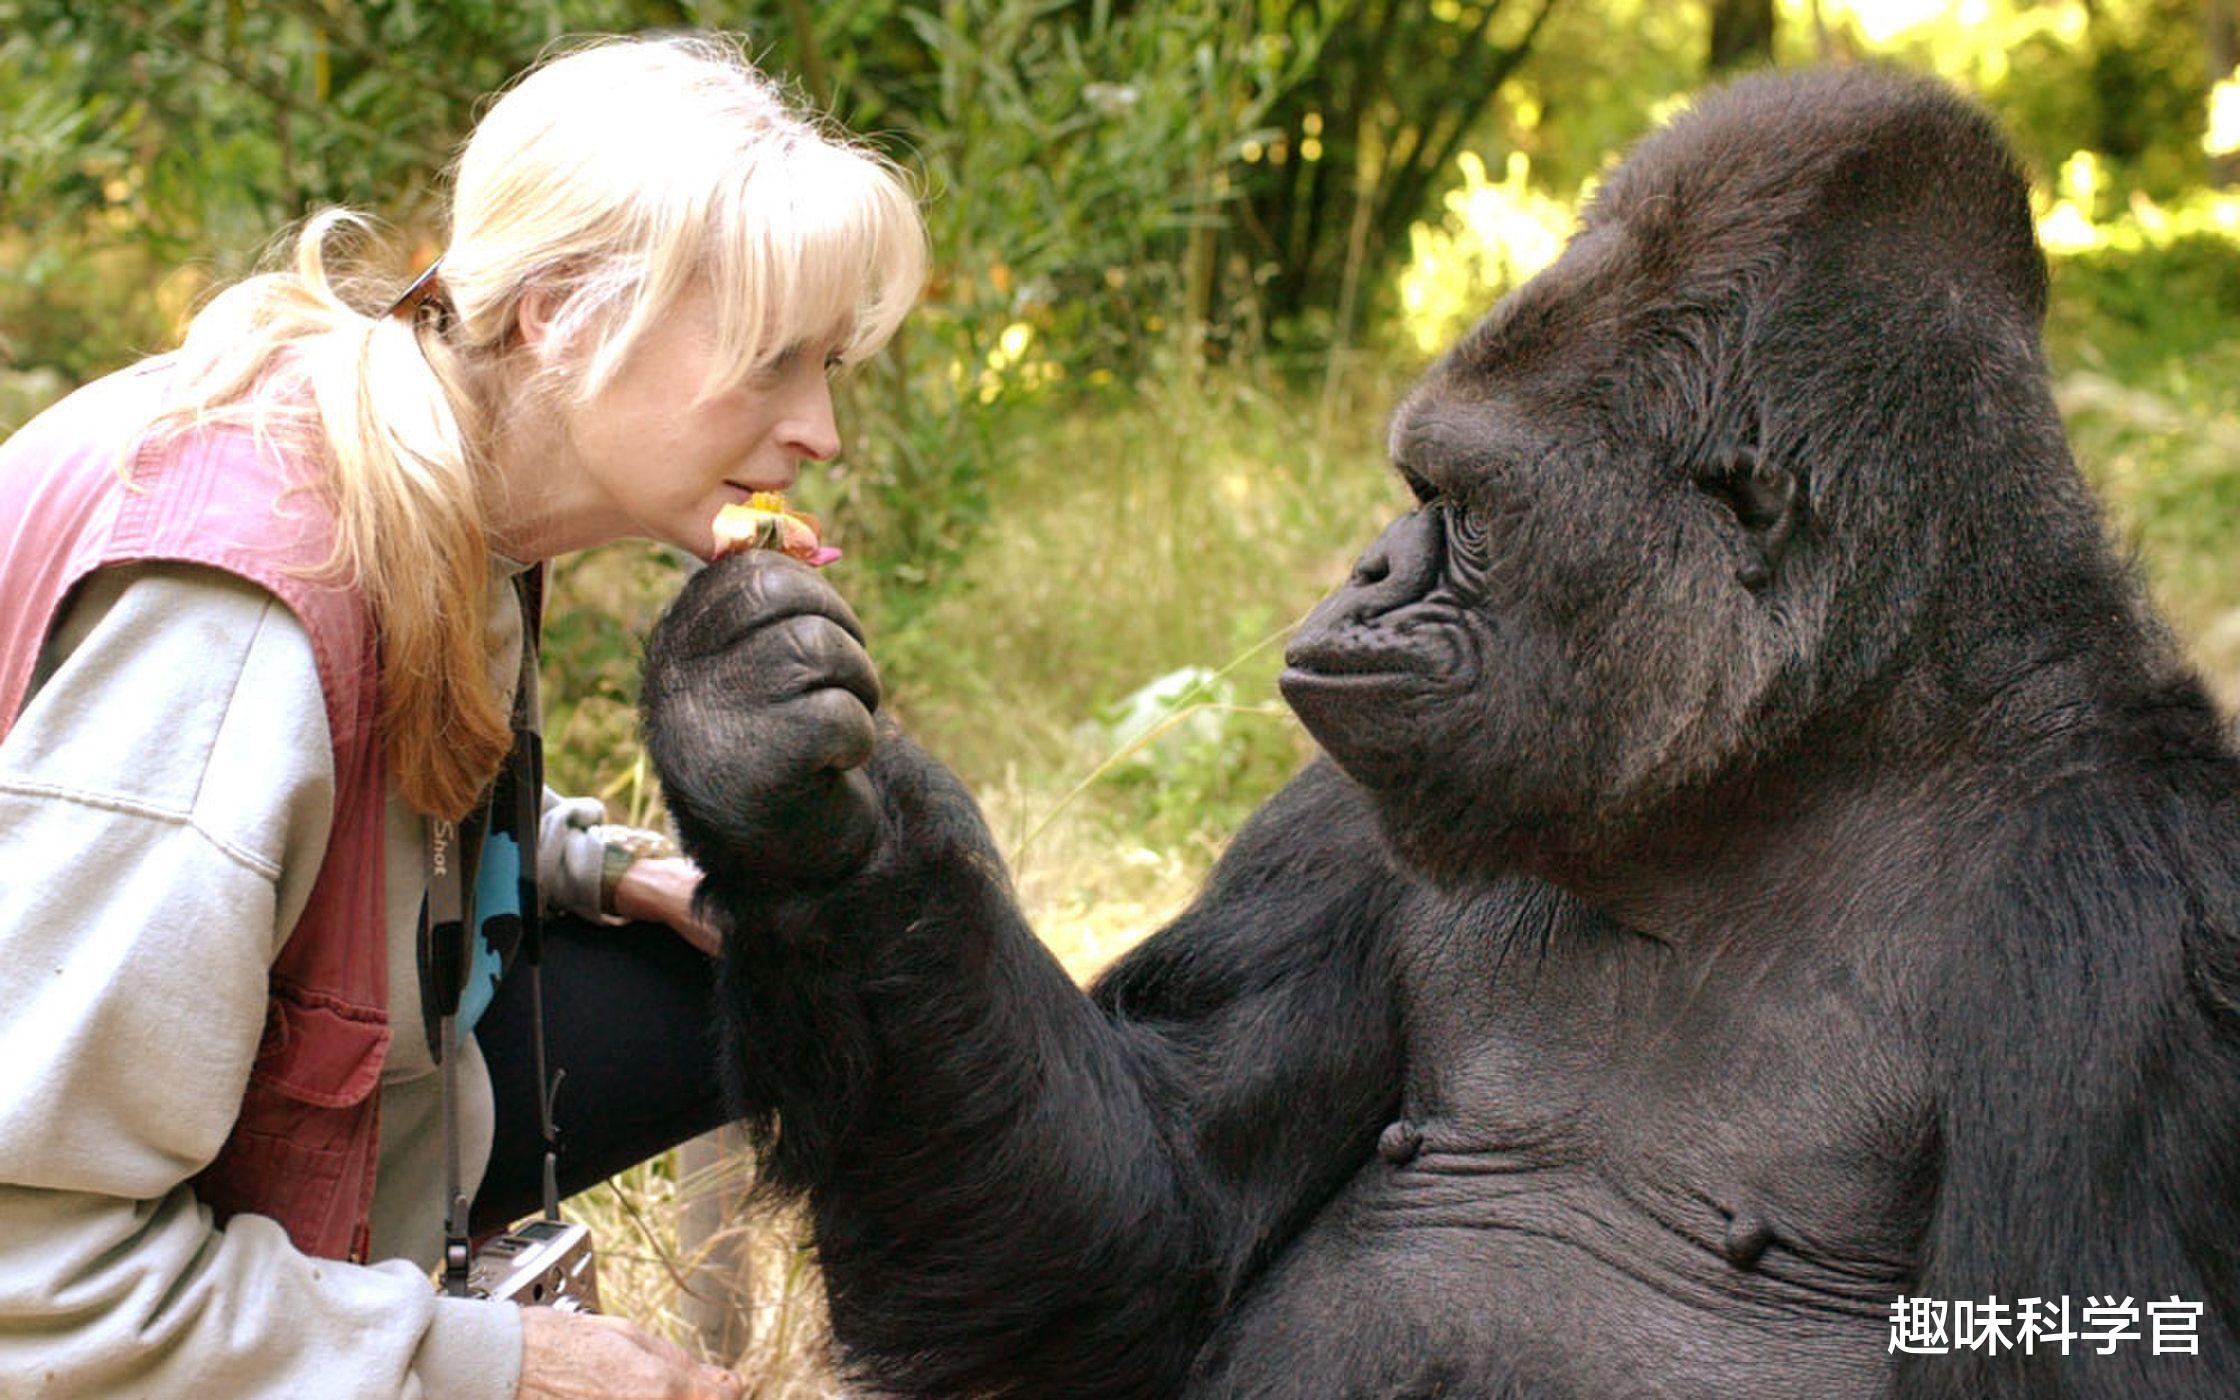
(647, 457)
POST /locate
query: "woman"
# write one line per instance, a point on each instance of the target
(262, 624)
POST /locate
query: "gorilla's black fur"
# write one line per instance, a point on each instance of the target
(1771, 864)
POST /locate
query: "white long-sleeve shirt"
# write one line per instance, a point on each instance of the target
(165, 799)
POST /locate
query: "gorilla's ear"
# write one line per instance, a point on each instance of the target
(1762, 498)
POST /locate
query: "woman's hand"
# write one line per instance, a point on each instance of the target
(577, 1356)
(660, 890)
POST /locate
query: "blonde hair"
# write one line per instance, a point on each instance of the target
(612, 179)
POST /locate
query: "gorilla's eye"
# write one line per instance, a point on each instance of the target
(1466, 526)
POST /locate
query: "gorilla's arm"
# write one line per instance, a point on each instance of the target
(1020, 1190)
(2089, 1165)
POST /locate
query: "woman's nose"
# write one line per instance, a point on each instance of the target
(812, 430)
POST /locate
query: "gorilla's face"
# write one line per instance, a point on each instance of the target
(1571, 621)
(1587, 608)
(1702, 494)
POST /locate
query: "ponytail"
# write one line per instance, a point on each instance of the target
(382, 399)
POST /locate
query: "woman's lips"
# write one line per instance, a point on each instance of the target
(777, 486)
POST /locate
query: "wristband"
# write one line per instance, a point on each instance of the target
(625, 846)
(614, 863)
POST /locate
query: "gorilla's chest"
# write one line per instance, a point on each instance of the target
(1608, 1178)
(1773, 1091)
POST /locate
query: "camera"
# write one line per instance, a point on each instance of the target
(541, 1263)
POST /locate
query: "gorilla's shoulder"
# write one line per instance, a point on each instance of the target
(1319, 817)
(1306, 883)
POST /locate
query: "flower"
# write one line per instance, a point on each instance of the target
(764, 522)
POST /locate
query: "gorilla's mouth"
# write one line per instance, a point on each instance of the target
(1334, 703)
(1353, 658)
(1372, 658)
(1369, 703)
(1322, 663)
(1365, 708)
(1319, 681)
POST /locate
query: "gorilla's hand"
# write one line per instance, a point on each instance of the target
(758, 705)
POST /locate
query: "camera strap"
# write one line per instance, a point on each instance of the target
(443, 923)
(455, 942)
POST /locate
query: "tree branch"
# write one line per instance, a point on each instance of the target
(1402, 197)
(345, 28)
(813, 75)
(261, 86)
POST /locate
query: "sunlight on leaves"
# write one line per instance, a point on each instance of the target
(2223, 135)
(1492, 236)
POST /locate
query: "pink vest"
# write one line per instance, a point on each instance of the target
(303, 1149)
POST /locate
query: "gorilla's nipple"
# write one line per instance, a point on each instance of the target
(1400, 1142)
(1748, 1234)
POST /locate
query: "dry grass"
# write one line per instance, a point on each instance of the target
(681, 1255)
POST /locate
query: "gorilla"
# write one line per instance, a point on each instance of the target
(1768, 870)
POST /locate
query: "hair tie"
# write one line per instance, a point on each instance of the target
(425, 288)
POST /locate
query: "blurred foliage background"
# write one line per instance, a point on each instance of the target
(1187, 254)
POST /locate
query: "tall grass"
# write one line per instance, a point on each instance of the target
(1188, 522)
(2147, 371)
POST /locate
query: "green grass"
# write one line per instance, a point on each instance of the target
(1186, 525)
(2145, 345)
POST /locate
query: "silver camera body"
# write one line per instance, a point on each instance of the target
(539, 1263)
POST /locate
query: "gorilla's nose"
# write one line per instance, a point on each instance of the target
(1399, 569)
(1371, 567)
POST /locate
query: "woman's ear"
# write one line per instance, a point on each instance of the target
(532, 320)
